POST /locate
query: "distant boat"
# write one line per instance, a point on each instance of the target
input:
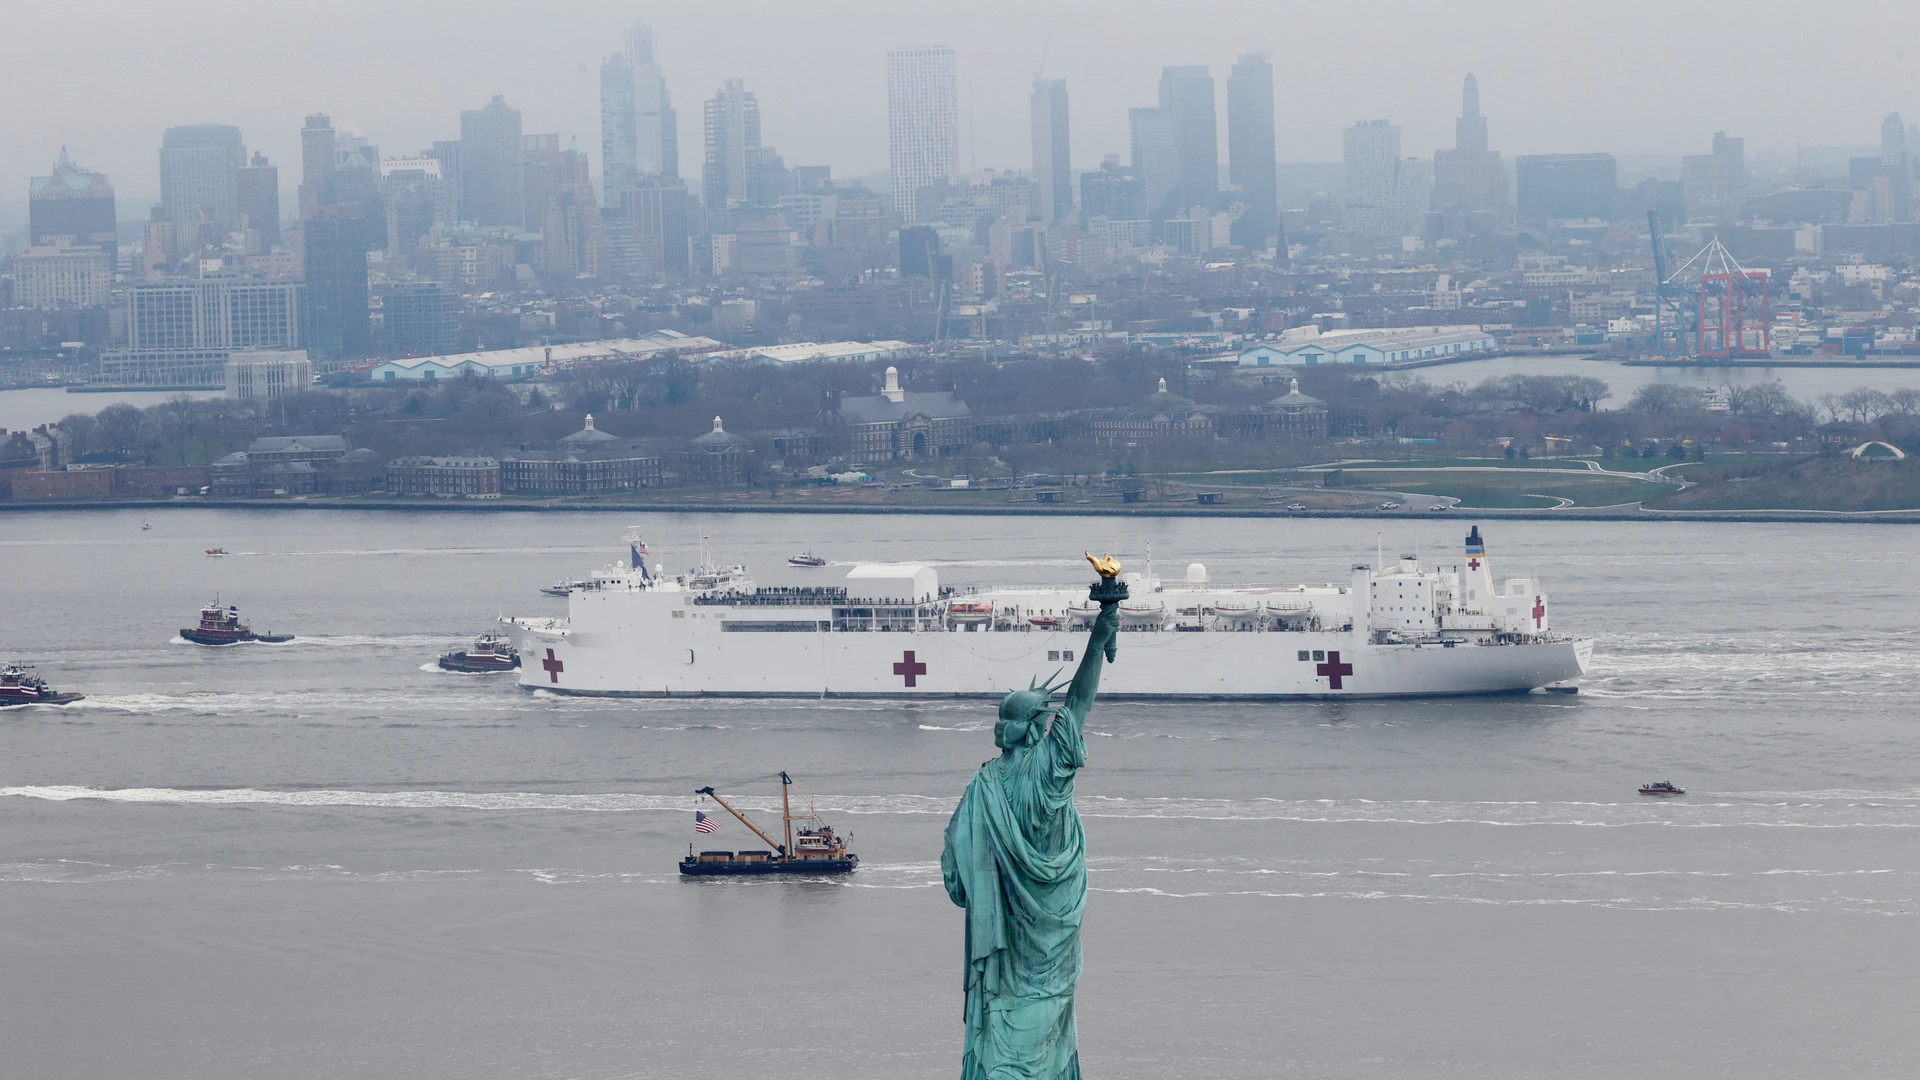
(806, 558)
(1662, 788)
(564, 587)
(222, 626)
(813, 848)
(216, 551)
(145, 525)
(489, 653)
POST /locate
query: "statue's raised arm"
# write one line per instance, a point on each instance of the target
(1102, 647)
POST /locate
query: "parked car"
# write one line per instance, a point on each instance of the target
(1389, 506)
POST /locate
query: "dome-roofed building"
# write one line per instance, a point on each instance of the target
(589, 436)
(1294, 415)
(1161, 415)
(719, 457)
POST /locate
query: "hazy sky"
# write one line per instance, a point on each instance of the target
(105, 76)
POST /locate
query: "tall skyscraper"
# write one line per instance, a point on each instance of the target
(656, 128)
(316, 164)
(491, 191)
(1154, 158)
(73, 204)
(732, 137)
(200, 173)
(1469, 177)
(1186, 96)
(1252, 165)
(334, 252)
(260, 200)
(1897, 166)
(619, 128)
(923, 121)
(1052, 150)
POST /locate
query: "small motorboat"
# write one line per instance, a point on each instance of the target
(1662, 788)
(564, 587)
(806, 558)
(216, 552)
(489, 653)
(145, 525)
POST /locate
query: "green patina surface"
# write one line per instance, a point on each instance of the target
(1016, 859)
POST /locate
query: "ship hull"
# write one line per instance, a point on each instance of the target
(698, 659)
(802, 868)
(49, 699)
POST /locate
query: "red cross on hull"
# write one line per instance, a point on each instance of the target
(910, 667)
(1539, 611)
(554, 667)
(1334, 671)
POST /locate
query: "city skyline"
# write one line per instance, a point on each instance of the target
(1542, 104)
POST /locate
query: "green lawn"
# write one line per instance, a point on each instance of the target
(1494, 490)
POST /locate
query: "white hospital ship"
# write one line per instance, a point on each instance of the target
(892, 630)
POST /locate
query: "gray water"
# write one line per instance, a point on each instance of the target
(327, 858)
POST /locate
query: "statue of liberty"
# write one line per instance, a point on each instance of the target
(1015, 858)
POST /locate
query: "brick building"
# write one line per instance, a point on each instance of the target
(443, 476)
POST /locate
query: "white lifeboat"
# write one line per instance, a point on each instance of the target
(1236, 610)
(1148, 612)
(970, 611)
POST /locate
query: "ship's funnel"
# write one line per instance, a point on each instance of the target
(1476, 575)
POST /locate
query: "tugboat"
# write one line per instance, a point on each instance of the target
(489, 653)
(19, 686)
(222, 626)
(1662, 788)
(806, 558)
(814, 848)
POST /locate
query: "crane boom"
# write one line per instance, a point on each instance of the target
(742, 818)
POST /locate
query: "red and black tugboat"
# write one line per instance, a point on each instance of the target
(813, 848)
(489, 653)
(222, 626)
(20, 686)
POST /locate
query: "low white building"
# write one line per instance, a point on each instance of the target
(1394, 346)
(803, 351)
(538, 359)
(267, 374)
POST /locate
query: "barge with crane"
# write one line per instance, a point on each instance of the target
(813, 848)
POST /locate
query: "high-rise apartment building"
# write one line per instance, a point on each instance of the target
(416, 195)
(62, 276)
(417, 319)
(316, 164)
(1371, 156)
(200, 174)
(1052, 149)
(1112, 193)
(334, 253)
(923, 121)
(1155, 158)
(732, 138)
(1186, 97)
(1470, 176)
(491, 187)
(260, 200)
(181, 332)
(1252, 165)
(74, 205)
(1716, 183)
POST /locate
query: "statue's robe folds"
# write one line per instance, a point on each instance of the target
(1015, 858)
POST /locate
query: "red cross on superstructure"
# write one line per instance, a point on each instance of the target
(1473, 563)
(553, 666)
(1539, 611)
(910, 667)
(1334, 670)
